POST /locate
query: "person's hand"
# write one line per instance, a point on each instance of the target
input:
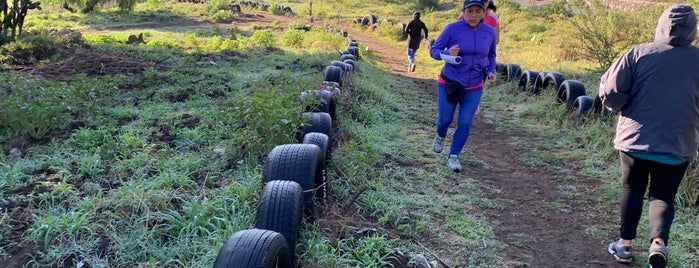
(492, 77)
(454, 51)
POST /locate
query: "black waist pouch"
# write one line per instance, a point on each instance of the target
(453, 89)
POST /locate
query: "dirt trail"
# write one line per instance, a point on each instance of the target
(535, 233)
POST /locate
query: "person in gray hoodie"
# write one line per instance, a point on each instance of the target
(655, 88)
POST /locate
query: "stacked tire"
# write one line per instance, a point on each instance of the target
(295, 180)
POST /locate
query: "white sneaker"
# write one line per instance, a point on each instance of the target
(453, 162)
(438, 144)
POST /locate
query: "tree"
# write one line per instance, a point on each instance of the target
(12, 18)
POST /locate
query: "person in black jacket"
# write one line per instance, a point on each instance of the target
(655, 88)
(414, 31)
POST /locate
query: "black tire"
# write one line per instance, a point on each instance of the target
(539, 82)
(354, 51)
(318, 122)
(325, 101)
(513, 72)
(582, 106)
(353, 43)
(553, 79)
(280, 210)
(351, 63)
(333, 74)
(340, 64)
(347, 57)
(368, 20)
(403, 34)
(500, 69)
(569, 91)
(254, 248)
(302, 163)
(321, 140)
(526, 80)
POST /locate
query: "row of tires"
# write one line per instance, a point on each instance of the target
(295, 180)
(570, 92)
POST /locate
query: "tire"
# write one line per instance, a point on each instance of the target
(539, 82)
(569, 91)
(582, 106)
(343, 66)
(368, 20)
(280, 210)
(254, 248)
(351, 63)
(326, 102)
(353, 43)
(403, 34)
(347, 57)
(318, 122)
(512, 72)
(333, 74)
(553, 79)
(526, 80)
(354, 51)
(301, 163)
(321, 140)
(500, 69)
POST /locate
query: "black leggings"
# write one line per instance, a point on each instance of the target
(664, 181)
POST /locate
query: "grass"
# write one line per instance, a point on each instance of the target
(129, 176)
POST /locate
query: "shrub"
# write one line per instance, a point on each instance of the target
(426, 4)
(262, 38)
(292, 38)
(601, 34)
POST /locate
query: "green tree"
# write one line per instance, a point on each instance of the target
(12, 18)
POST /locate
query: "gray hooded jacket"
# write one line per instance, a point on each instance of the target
(655, 87)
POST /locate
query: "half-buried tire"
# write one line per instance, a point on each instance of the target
(582, 106)
(569, 91)
(302, 163)
(280, 210)
(254, 248)
(321, 140)
(333, 74)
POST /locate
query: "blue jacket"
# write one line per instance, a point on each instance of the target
(477, 51)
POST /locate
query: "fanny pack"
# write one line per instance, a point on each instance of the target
(453, 89)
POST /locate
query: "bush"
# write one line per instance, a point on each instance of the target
(426, 4)
(262, 38)
(602, 35)
(292, 38)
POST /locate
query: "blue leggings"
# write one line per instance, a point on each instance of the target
(411, 55)
(445, 115)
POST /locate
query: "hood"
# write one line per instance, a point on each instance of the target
(677, 26)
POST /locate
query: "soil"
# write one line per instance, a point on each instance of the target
(556, 238)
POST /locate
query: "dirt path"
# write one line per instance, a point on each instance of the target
(535, 233)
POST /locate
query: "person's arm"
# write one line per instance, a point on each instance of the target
(497, 33)
(492, 55)
(441, 44)
(424, 27)
(615, 84)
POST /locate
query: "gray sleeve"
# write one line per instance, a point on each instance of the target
(615, 84)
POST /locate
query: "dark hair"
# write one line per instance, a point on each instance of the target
(416, 15)
(492, 6)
